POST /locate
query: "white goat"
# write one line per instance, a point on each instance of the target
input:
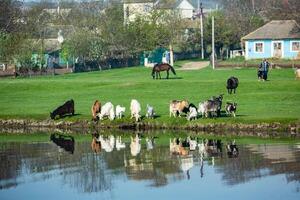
(107, 110)
(135, 108)
(150, 112)
(120, 111)
(192, 114)
(201, 109)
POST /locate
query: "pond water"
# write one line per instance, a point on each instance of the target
(45, 170)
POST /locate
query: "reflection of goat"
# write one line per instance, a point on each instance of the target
(64, 141)
(192, 143)
(119, 143)
(149, 143)
(232, 149)
(107, 144)
(177, 148)
(135, 145)
(96, 145)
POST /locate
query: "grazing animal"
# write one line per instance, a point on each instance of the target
(177, 106)
(135, 109)
(201, 108)
(297, 72)
(64, 141)
(192, 114)
(119, 144)
(211, 107)
(162, 67)
(230, 108)
(120, 111)
(232, 84)
(96, 108)
(107, 110)
(66, 108)
(150, 112)
(135, 145)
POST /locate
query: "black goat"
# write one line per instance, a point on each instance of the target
(232, 84)
(66, 108)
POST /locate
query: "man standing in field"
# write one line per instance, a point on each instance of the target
(263, 70)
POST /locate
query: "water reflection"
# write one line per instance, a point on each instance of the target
(112, 160)
(66, 142)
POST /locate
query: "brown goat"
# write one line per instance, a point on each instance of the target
(178, 106)
(96, 108)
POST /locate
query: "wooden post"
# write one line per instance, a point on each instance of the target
(171, 55)
(202, 48)
(213, 42)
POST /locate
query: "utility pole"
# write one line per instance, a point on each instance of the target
(253, 5)
(200, 15)
(201, 26)
(213, 42)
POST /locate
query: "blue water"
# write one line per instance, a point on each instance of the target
(46, 171)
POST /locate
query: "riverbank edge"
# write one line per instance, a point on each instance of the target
(292, 129)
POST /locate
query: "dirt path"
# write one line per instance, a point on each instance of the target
(194, 65)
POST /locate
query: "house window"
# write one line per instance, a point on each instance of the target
(259, 47)
(295, 45)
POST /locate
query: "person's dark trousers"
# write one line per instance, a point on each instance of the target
(265, 75)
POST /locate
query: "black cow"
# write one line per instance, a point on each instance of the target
(66, 108)
(232, 84)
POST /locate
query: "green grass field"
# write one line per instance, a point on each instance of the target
(276, 100)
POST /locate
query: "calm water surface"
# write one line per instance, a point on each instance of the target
(46, 171)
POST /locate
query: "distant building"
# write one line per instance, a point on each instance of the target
(278, 38)
(134, 8)
(184, 7)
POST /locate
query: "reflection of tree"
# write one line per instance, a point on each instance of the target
(253, 162)
(153, 165)
(90, 172)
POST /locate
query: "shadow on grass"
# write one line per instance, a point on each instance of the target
(68, 116)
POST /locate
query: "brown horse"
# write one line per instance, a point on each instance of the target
(162, 67)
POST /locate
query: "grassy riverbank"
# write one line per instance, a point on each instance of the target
(276, 100)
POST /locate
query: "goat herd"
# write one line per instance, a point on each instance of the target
(209, 108)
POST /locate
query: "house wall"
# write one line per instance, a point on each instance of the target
(186, 9)
(267, 49)
(136, 9)
(288, 49)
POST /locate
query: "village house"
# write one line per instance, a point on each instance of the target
(133, 8)
(278, 38)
